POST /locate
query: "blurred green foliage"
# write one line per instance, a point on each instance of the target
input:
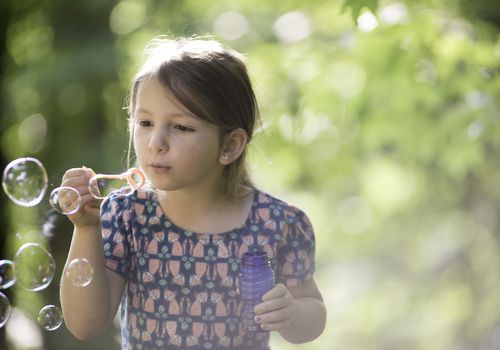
(379, 118)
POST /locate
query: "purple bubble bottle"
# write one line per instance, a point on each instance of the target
(256, 279)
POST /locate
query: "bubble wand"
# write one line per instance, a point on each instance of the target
(134, 177)
(67, 200)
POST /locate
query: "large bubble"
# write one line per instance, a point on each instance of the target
(34, 267)
(79, 272)
(50, 317)
(25, 181)
(7, 275)
(4, 310)
(65, 200)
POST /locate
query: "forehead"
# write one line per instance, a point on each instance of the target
(152, 94)
(153, 98)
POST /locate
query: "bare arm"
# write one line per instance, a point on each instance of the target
(297, 313)
(88, 310)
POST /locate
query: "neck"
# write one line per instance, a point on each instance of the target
(207, 210)
(193, 198)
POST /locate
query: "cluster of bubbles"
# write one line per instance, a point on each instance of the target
(25, 183)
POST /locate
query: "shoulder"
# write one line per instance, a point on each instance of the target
(279, 208)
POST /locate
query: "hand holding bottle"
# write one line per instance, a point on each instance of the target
(277, 310)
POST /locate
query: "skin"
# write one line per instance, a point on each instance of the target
(184, 158)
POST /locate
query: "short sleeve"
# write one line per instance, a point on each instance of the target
(115, 229)
(296, 251)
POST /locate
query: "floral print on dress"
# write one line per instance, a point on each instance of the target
(181, 290)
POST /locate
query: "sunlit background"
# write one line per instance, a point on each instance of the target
(380, 121)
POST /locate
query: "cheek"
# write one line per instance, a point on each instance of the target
(205, 148)
(139, 145)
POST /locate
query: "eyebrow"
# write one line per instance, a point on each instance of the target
(179, 114)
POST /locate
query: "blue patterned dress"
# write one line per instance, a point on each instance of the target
(181, 290)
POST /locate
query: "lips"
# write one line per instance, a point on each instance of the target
(159, 166)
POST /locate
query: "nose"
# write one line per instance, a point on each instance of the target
(158, 142)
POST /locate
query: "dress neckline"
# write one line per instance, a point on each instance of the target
(163, 217)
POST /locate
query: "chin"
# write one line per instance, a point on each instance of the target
(162, 186)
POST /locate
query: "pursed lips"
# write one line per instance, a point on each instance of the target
(158, 166)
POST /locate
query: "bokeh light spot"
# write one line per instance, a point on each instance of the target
(367, 22)
(22, 332)
(347, 79)
(32, 133)
(396, 13)
(127, 16)
(292, 27)
(231, 25)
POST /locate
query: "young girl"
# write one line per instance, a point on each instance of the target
(170, 254)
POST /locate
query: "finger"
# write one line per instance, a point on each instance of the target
(272, 305)
(78, 172)
(275, 316)
(92, 172)
(68, 199)
(80, 183)
(92, 210)
(89, 200)
(275, 326)
(277, 291)
(85, 210)
(75, 182)
(74, 172)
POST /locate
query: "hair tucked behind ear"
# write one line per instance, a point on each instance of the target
(212, 82)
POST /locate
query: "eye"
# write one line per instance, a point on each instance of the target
(183, 128)
(145, 123)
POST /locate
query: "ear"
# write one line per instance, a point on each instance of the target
(233, 146)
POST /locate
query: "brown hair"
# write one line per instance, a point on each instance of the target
(212, 82)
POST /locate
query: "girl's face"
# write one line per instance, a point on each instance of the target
(175, 149)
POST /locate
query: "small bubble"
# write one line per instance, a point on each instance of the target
(25, 181)
(34, 267)
(7, 275)
(80, 272)
(50, 317)
(65, 200)
(4, 310)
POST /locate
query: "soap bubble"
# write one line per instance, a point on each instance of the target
(65, 200)
(50, 317)
(25, 181)
(34, 267)
(4, 310)
(102, 187)
(7, 275)
(79, 272)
